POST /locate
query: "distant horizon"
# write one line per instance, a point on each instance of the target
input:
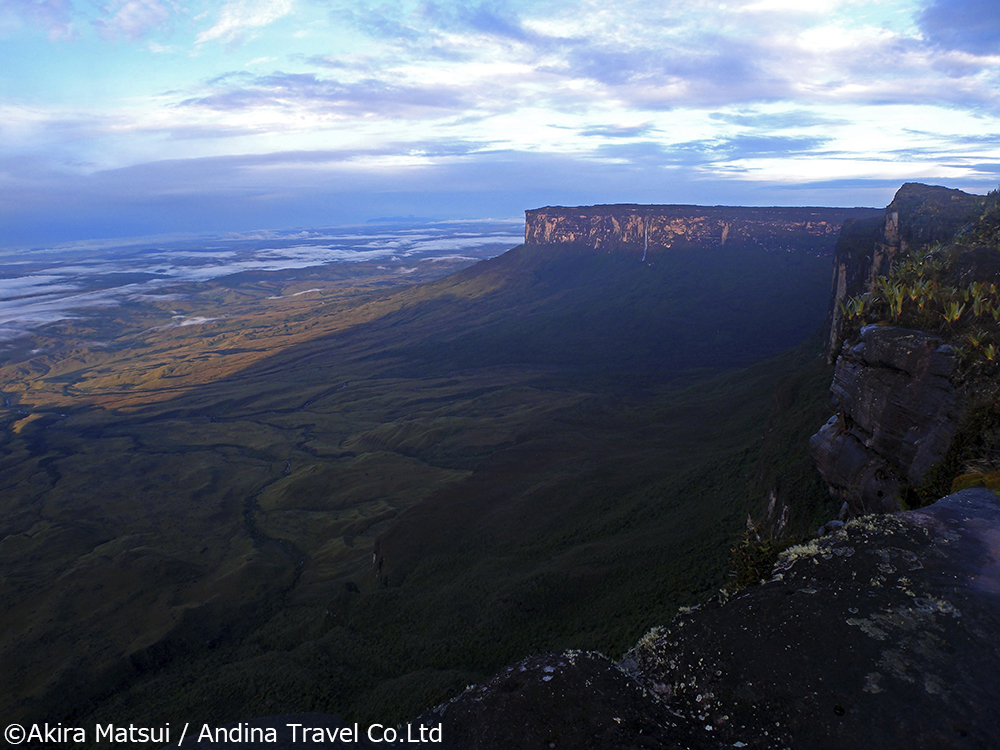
(266, 232)
(143, 117)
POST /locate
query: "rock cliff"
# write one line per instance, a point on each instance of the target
(878, 634)
(919, 215)
(899, 393)
(642, 229)
(897, 414)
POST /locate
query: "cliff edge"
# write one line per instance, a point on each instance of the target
(914, 335)
(880, 635)
(898, 411)
(644, 229)
(918, 216)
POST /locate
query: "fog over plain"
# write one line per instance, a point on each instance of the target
(42, 287)
(138, 117)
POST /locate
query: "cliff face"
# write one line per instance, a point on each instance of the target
(898, 408)
(649, 229)
(897, 414)
(919, 215)
(878, 634)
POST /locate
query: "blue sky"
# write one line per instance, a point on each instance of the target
(134, 117)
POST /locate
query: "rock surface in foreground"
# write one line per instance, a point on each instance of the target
(881, 635)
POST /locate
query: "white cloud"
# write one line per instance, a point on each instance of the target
(55, 16)
(132, 19)
(240, 17)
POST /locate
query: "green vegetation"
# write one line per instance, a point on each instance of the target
(549, 450)
(973, 459)
(753, 557)
(951, 289)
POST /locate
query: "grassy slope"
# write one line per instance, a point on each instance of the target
(537, 444)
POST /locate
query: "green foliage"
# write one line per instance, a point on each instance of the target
(985, 230)
(752, 558)
(786, 472)
(916, 295)
(990, 481)
(925, 290)
(554, 450)
(975, 450)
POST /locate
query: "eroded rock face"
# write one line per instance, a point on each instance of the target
(643, 229)
(897, 415)
(882, 634)
(919, 215)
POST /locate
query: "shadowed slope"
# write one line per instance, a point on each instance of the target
(534, 440)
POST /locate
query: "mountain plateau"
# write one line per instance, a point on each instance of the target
(552, 449)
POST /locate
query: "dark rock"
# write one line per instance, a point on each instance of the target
(882, 634)
(898, 412)
(571, 700)
(830, 527)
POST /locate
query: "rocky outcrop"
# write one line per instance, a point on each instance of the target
(650, 229)
(897, 414)
(919, 215)
(880, 635)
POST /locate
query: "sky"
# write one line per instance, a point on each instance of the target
(123, 118)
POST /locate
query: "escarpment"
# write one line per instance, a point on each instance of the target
(642, 229)
(918, 216)
(897, 413)
(877, 634)
(931, 264)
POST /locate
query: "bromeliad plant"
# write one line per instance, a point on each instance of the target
(914, 295)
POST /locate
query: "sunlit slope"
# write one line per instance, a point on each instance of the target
(156, 348)
(530, 447)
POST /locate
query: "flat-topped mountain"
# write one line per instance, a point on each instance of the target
(652, 228)
(551, 449)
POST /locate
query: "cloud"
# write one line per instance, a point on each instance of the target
(132, 19)
(55, 16)
(241, 90)
(492, 19)
(708, 152)
(303, 189)
(618, 131)
(751, 146)
(239, 18)
(968, 25)
(797, 118)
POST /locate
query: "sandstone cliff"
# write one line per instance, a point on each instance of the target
(642, 229)
(900, 394)
(919, 215)
(897, 414)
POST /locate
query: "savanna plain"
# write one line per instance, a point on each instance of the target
(357, 483)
